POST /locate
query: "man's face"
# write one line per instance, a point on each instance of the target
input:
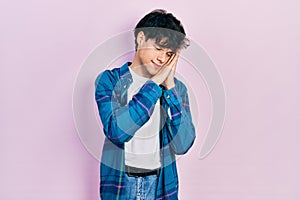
(152, 57)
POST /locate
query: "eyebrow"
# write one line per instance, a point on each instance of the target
(162, 47)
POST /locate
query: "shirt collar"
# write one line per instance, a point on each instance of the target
(125, 75)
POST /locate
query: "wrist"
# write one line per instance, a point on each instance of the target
(170, 86)
(155, 81)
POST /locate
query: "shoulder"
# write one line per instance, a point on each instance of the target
(108, 76)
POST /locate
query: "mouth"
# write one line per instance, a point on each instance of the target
(156, 65)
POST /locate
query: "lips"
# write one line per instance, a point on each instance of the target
(156, 65)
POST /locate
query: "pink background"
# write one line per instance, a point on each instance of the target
(255, 45)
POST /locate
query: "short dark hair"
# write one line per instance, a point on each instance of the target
(159, 25)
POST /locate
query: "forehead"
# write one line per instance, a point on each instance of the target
(161, 44)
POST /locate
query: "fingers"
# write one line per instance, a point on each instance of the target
(175, 61)
(170, 60)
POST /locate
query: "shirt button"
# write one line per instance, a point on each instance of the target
(125, 86)
(168, 97)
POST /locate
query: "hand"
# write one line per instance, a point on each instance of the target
(169, 82)
(167, 70)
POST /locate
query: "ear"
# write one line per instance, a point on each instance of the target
(140, 38)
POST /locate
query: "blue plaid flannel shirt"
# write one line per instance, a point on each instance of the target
(121, 120)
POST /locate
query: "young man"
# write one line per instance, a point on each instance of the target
(145, 114)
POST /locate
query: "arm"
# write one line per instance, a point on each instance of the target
(181, 131)
(121, 122)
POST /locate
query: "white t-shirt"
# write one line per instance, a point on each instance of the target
(142, 151)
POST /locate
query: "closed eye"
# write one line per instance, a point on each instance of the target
(169, 54)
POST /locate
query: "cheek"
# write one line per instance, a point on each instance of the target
(148, 52)
(147, 55)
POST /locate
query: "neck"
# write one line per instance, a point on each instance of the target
(139, 69)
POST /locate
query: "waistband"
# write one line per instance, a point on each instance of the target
(140, 172)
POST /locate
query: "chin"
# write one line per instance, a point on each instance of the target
(153, 72)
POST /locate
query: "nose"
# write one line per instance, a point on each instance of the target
(161, 57)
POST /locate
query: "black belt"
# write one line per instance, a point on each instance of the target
(139, 172)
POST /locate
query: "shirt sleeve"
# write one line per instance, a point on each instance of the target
(181, 130)
(120, 122)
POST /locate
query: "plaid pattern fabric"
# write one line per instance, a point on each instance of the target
(121, 120)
